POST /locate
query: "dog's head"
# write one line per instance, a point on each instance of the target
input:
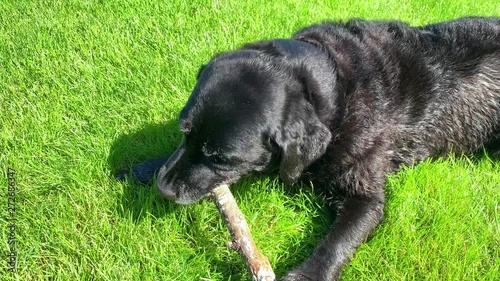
(261, 106)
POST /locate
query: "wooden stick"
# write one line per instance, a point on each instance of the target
(257, 264)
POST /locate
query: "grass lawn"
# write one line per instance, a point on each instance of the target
(90, 87)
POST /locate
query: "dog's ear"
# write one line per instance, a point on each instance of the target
(301, 134)
(303, 138)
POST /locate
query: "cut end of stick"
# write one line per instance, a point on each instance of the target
(257, 264)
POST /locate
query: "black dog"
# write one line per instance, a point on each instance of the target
(342, 105)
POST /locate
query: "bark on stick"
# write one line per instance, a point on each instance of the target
(257, 264)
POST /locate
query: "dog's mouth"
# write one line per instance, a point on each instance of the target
(185, 200)
(184, 196)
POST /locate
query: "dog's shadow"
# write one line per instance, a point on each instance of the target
(154, 141)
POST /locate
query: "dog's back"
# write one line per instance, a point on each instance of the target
(465, 111)
(438, 85)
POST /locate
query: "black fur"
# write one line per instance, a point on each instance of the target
(343, 105)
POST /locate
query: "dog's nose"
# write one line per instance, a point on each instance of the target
(164, 187)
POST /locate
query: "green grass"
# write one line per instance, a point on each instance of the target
(90, 87)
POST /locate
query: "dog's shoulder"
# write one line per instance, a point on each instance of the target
(483, 30)
(480, 32)
(466, 25)
(357, 45)
(359, 31)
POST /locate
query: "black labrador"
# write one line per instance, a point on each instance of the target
(342, 105)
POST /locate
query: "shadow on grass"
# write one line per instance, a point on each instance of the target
(319, 227)
(301, 197)
(154, 141)
(141, 200)
(490, 151)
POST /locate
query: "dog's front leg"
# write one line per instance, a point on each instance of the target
(357, 218)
